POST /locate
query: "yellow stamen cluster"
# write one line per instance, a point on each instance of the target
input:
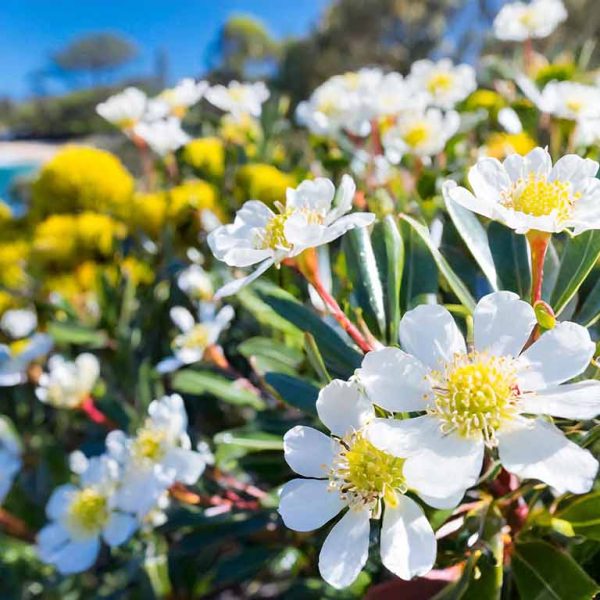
(363, 475)
(538, 197)
(416, 135)
(88, 512)
(574, 105)
(149, 444)
(196, 337)
(440, 82)
(273, 235)
(474, 394)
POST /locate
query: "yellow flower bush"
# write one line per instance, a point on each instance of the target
(485, 99)
(192, 195)
(240, 129)
(500, 145)
(13, 261)
(148, 213)
(262, 182)
(206, 155)
(81, 178)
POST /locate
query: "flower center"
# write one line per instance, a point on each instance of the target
(416, 135)
(196, 337)
(574, 105)
(273, 235)
(126, 124)
(362, 474)
(149, 444)
(474, 394)
(440, 82)
(88, 512)
(538, 197)
(527, 18)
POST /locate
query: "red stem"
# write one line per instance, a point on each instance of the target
(538, 244)
(95, 415)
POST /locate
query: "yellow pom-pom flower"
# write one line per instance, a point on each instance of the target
(148, 213)
(206, 155)
(485, 99)
(81, 178)
(13, 261)
(193, 195)
(262, 182)
(500, 145)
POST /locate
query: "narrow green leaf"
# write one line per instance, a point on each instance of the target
(509, 251)
(389, 253)
(315, 358)
(250, 440)
(475, 237)
(542, 571)
(583, 514)
(269, 355)
(589, 312)
(364, 275)
(455, 283)
(551, 268)
(188, 381)
(71, 333)
(296, 392)
(341, 360)
(579, 257)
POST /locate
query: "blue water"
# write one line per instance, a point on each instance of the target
(8, 173)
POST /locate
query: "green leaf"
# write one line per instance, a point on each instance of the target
(295, 392)
(315, 358)
(475, 237)
(341, 360)
(389, 254)
(542, 571)
(364, 275)
(71, 333)
(509, 251)
(578, 259)
(249, 440)
(269, 355)
(589, 312)
(455, 283)
(551, 268)
(192, 382)
(583, 514)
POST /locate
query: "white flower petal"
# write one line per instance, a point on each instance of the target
(430, 333)
(233, 287)
(342, 408)
(183, 318)
(184, 465)
(463, 197)
(560, 354)
(535, 449)
(59, 501)
(168, 365)
(119, 529)
(88, 368)
(408, 544)
(307, 504)
(50, 540)
(502, 324)
(579, 400)
(394, 380)
(346, 549)
(402, 438)
(488, 178)
(76, 557)
(308, 451)
(573, 168)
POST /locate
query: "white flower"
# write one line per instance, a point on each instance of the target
(509, 119)
(163, 136)
(345, 471)
(82, 515)
(239, 98)
(191, 344)
(527, 192)
(444, 83)
(185, 94)
(125, 109)
(68, 384)
(421, 134)
(10, 456)
(15, 359)
(481, 396)
(587, 132)
(19, 322)
(195, 282)
(518, 21)
(156, 457)
(565, 99)
(258, 235)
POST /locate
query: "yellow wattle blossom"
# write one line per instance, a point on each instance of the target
(13, 261)
(96, 233)
(500, 145)
(206, 155)
(139, 271)
(7, 301)
(82, 178)
(262, 182)
(192, 195)
(485, 99)
(241, 129)
(148, 213)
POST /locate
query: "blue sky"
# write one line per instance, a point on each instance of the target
(30, 30)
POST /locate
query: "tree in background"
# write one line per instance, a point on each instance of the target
(96, 54)
(244, 49)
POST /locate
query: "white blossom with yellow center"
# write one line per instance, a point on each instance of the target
(307, 220)
(528, 193)
(157, 456)
(164, 136)
(488, 396)
(519, 21)
(184, 95)
(239, 98)
(346, 472)
(422, 134)
(82, 515)
(444, 83)
(67, 384)
(196, 336)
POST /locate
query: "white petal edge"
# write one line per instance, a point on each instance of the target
(579, 400)
(308, 451)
